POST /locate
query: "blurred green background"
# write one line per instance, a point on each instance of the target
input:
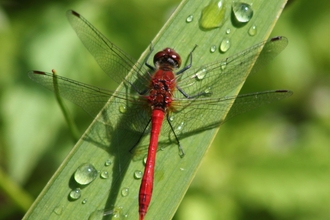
(273, 163)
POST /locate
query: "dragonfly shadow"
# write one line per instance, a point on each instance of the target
(117, 141)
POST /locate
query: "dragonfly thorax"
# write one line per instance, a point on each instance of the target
(161, 90)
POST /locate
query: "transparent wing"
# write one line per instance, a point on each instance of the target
(132, 109)
(221, 77)
(205, 113)
(110, 58)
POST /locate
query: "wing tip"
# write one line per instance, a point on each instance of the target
(74, 13)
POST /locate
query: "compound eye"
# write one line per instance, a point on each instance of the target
(168, 55)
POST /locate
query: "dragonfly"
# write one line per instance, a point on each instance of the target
(196, 96)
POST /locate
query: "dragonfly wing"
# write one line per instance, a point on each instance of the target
(221, 77)
(110, 58)
(193, 116)
(93, 99)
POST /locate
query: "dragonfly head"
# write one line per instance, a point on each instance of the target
(167, 57)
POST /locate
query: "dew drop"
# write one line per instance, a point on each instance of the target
(125, 191)
(145, 160)
(171, 118)
(224, 45)
(223, 65)
(75, 194)
(138, 174)
(213, 48)
(180, 127)
(182, 169)
(107, 163)
(228, 31)
(213, 15)
(58, 210)
(208, 92)
(243, 12)
(190, 18)
(84, 201)
(99, 214)
(201, 73)
(253, 30)
(85, 174)
(104, 175)
(122, 109)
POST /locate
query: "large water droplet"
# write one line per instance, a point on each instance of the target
(138, 174)
(224, 45)
(85, 174)
(253, 30)
(213, 15)
(243, 12)
(190, 18)
(125, 191)
(75, 194)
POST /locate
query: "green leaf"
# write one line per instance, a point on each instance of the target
(117, 195)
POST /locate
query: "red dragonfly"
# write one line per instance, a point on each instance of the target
(194, 96)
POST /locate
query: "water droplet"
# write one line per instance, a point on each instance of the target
(208, 91)
(125, 191)
(99, 214)
(228, 31)
(201, 73)
(182, 169)
(85, 174)
(104, 175)
(243, 12)
(171, 118)
(223, 65)
(122, 109)
(138, 174)
(84, 201)
(75, 194)
(107, 162)
(213, 48)
(126, 216)
(145, 160)
(224, 45)
(253, 30)
(180, 127)
(58, 210)
(190, 18)
(213, 15)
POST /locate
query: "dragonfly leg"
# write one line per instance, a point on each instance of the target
(191, 96)
(148, 56)
(189, 65)
(181, 152)
(138, 141)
